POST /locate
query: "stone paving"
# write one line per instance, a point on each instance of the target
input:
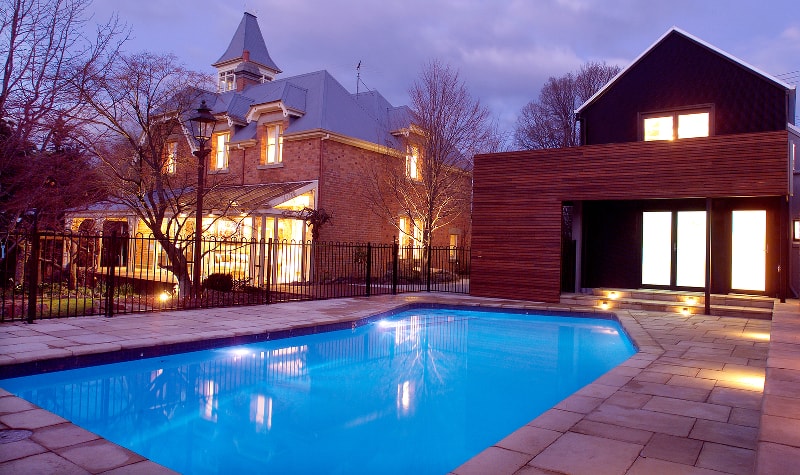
(691, 401)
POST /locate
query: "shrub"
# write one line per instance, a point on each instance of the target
(219, 282)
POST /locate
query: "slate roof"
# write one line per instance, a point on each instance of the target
(324, 105)
(248, 37)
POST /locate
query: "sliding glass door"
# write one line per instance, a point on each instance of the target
(674, 248)
(749, 250)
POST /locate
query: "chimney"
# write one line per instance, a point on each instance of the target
(246, 55)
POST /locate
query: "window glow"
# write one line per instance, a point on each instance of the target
(170, 160)
(453, 247)
(796, 232)
(226, 81)
(274, 144)
(656, 247)
(297, 203)
(748, 248)
(691, 265)
(693, 125)
(410, 238)
(221, 156)
(658, 128)
(412, 163)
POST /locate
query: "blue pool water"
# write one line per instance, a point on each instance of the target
(422, 391)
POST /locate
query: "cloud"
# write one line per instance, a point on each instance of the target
(504, 49)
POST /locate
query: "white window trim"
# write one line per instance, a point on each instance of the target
(274, 143)
(224, 151)
(412, 163)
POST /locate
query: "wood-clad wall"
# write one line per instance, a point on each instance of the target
(517, 197)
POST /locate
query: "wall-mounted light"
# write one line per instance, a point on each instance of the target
(691, 300)
(685, 311)
(604, 305)
(796, 230)
(613, 295)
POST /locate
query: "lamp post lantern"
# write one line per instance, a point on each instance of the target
(202, 129)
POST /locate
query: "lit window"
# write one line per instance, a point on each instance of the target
(170, 157)
(274, 152)
(226, 81)
(796, 230)
(410, 238)
(663, 127)
(658, 128)
(453, 247)
(693, 125)
(221, 152)
(412, 163)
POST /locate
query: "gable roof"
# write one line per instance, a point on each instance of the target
(677, 31)
(248, 37)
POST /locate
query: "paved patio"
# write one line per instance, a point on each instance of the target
(692, 401)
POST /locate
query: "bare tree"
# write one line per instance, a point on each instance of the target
(549, 121)
(144, 102)
(429, 180)
(44, 50)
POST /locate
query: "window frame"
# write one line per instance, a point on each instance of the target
(227, 80)
(410, 238)
(277, 145)
(412, 163)
(675, 114)
(171, 157)
(217, 151)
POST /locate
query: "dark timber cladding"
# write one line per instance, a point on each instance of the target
(516, 246)
(677, 73)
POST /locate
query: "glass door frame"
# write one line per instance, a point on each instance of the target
(673, 251)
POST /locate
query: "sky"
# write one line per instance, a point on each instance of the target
(504, 50)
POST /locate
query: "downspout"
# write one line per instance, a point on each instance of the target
(244, 159)
(709, 247)
(321, 157)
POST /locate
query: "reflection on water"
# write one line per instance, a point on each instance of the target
(422, 391)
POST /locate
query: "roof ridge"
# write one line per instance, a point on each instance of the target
(712, 48)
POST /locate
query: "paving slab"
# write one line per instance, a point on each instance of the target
(694, 381)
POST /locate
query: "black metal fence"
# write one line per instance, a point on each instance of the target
(51, 275)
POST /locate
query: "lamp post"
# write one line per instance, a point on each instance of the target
(202, 129)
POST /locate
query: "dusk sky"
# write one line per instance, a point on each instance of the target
(504, 49)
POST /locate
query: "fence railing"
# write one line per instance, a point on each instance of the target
(51, 275)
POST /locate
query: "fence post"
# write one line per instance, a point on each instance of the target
(110, 278)
(369, 269)
(395, 264)
(428, 250)
(33, 271)
(268, 270)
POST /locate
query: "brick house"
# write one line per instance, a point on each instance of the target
(684, 180)
(285, 144)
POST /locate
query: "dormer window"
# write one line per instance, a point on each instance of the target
(227, 81)
(676, 125)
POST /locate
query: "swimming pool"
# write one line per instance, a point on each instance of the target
(423, 390)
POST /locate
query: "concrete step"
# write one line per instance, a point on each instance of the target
(731, 300)
(736, 309)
